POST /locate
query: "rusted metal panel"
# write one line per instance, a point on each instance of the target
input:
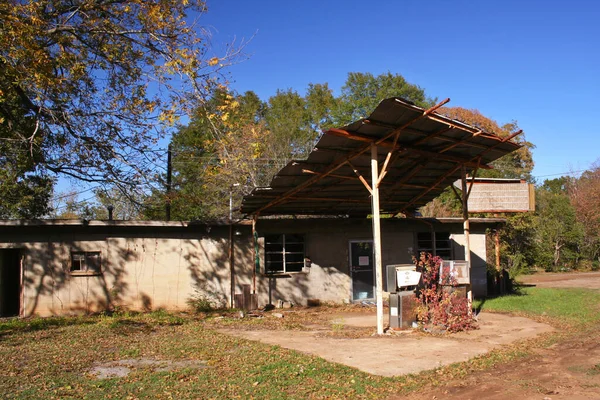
(429, 152)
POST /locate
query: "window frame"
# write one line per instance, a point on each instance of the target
(433, 244)
(285, 252)
(87, 267)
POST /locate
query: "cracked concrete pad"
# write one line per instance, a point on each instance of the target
(403, 354)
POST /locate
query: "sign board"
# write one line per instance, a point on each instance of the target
(499, 195)
(407, 278)
(457, 269)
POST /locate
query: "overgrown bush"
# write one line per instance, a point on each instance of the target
(205, 301)
(440, 306)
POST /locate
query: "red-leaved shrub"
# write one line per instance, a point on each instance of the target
(440, 307)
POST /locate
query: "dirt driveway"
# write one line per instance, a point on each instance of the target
(569, 369)
(588, 280)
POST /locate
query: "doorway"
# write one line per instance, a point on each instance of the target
(361, 270)
(10, 282)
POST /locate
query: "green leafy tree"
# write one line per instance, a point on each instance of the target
(584, 194)
(362, 92)
(558, 234)
(90, 86)
(224, 148)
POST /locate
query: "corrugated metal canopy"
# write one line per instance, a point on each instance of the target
(428, 152)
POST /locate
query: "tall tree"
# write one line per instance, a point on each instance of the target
(518, 164)
(558, 233)
(224, 148)
(585, 198)
(362, 92)
(91, 85)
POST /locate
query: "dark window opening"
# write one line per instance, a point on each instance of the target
(88, 262)
(284, 253)
(438, 244)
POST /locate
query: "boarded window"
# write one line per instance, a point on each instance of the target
(284, 253)
(88, 262)
(438, 244)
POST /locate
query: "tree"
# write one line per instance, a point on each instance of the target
(90, 86)
(226, 146)
(362, 92)
(557, 231)
(25, 192)
(518, 164)
(584, 194)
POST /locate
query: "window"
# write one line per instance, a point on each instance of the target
(284, 253)
(85, 262)
(441, 247)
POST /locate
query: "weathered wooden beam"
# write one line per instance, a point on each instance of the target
(417, 166)
(377, 238)
(404, 148)
(337, 199)
(342, 160)
(450, 172)
(360, 177)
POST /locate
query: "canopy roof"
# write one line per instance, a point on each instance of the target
(422, 151)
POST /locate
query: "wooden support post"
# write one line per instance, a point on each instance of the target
(231, 265)
(498, 268)
(169, 177)
(377, 238)
(466, 227)
(254, 253)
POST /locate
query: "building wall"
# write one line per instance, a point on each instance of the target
(145, 268)
(141, 270)
(327, 245)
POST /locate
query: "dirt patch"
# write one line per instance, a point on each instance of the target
(122, 368)
(567, 370)
(587, 280)
(402, 354)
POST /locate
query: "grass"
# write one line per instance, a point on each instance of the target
(578, 307)
(52, 357)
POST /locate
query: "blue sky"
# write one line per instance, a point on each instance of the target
(536, 62)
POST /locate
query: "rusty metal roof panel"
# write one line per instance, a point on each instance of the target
(429, 154)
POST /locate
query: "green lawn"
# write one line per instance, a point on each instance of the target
(562, 306)
(52, 358)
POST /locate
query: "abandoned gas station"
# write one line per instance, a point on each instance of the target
(323, 230)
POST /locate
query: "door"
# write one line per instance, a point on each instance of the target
(10, 283)
(361, 269)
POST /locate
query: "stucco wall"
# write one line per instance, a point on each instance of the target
(160, 270)
(327, 245)
(146, 268)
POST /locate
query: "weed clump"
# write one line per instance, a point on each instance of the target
(203, 301)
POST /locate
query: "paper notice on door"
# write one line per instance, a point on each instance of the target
(394, 311)
(363, 261)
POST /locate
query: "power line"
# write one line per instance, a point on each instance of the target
(561, 173)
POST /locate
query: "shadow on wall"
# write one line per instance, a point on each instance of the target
(48, 279)
(139, 271)
(326, 283)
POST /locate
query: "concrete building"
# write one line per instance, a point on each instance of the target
(66, 267)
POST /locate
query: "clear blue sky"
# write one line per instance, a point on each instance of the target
(536, 62)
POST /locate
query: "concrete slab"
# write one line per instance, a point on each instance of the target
(402, 354)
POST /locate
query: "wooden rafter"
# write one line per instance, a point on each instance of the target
(404, 148)
(338, 199)
(443, 177)
(416, 168)
(342, 160)
(360, 177)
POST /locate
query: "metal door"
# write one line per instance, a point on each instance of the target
(361, 270)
